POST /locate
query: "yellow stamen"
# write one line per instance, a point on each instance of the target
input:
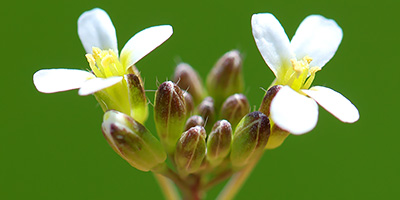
(105, 63)
(310, 79)
(299, 75)
(92, 64)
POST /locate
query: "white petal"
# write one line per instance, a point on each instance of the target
(294, 112)
(93, 85)
(95, 29)
(272, 41)
(318, 38)
(335, 103)
(143, 43)
(58, 80)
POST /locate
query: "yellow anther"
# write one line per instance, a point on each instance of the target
(296, 65)
(106, 60)
(96, 52)
(307, 59)
(90, 59)
(92, 64)
(111, 52)
(103, 54)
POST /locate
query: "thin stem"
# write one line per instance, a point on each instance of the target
(221, 177)
(237, 180)
(165, 171)
(195, 191)
(167, 186)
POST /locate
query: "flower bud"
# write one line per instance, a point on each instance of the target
(137, 98)
(188, 79)
(190, 150)
(219, 142)
(169, 114)
(193, 121)
(266, 102)
(226, 77)
(234, 108)
(277, 137)
(207, 111)
(189, 102)
(250, 137)
(132, 141)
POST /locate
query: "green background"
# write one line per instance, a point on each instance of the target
(51, 146)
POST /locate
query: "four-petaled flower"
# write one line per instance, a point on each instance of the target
(98, 36)
(294, 64)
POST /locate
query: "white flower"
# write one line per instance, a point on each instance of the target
(294, 63)
(98, 37)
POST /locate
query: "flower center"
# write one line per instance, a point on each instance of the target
(105, 63)
(299, 75)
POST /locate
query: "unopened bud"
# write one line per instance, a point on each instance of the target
(206, 109)
(132, 141)
(219, 142)
(266, 102)
(276, 138)
(137, 98)
(188, 79)
(189, 102)
(169, 114)
(234, 108)
(193, 121)
(250, 137)
(191, 150)
(226, 77)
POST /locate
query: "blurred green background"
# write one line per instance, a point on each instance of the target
(52, 146)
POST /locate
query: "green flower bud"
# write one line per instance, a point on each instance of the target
(190, 150)
(193, 121)
(266, 102)
(206, 109)
(226, 77)
(219, 142)
(234, 108)
(189, 102)
(250, 137)
(188, 79)
(137, 98)
(169, 114)
(277, 137)
(132, 141)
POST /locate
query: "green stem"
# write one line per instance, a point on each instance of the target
(221, 177)
(165, 171)
(167, 186)
(237, 180)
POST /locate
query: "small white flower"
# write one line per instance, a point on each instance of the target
(97, 34)
(294, 64)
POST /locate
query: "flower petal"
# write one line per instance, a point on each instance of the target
(95, 29)
(294, 112)
(58, 80)
(143, 43)
(272, 41)
(335, 103)
(318, 38)
(93, 85)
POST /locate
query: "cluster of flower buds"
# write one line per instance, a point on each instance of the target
(207, 130)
